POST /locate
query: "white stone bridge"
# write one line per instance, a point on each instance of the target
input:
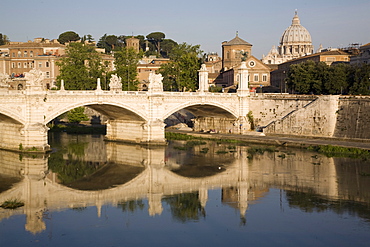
(133, 116)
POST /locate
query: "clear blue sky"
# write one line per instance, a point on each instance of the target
(332, 23)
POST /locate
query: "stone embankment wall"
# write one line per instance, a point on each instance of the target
(328, 116)
(302, 115)
(353, 117)
(264, 110)
(271, 107)
(318, 118)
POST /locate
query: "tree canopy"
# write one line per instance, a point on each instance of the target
(126, 60)
(181, 73)
(156, 38)
(320, 78)
(3, 39)
(68, 36)
(80, 68)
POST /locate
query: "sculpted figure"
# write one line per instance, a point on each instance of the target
(3, 78)
(115, 83)
(155, 82)
(34, 77)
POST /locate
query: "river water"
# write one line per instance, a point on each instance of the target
(89, 192)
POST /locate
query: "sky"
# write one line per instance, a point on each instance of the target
(332, 23)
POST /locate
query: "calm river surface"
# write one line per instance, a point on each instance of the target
(94, 193)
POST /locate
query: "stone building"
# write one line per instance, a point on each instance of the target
(16, 58)
(233, 53)
(133, 43)
(363, 57)
(294, 43)
(145, 67)
(214, 66)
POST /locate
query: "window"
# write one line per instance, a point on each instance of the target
(19, 54)
(31, 53)
(25, 54)
(264, 77)
(25, 65)
(19, 65)
(256, 77)
(47, 64)
(13, 54)
(13, 65)
(40, 64)
(47, 74)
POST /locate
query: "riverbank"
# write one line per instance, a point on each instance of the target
(279, 140)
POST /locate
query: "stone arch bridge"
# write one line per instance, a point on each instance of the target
(133, 116)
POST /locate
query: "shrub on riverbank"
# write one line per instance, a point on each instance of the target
(335, 151)
(12, 204)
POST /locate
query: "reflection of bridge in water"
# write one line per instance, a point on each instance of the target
(240, 180)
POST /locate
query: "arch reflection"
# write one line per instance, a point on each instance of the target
(133, 177)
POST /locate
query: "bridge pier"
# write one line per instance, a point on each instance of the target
(150, 132)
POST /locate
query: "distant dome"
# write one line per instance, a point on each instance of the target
(295, 41)
(295, 33)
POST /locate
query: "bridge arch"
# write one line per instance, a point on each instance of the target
(203, 109)
(10, 117)
(110, 109)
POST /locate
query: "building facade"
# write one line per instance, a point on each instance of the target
(363, 57)
(233, 53)
(18, 58)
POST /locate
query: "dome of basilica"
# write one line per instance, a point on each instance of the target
(294, 43)
(295, 33)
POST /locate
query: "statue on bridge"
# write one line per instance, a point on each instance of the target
(3, 79)
(155, 83)
(115, 83)
(34, 79)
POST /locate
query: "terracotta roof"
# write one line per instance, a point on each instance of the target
(32, 45)
(325, 53)
(237, 41)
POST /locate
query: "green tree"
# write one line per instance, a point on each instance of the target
(112, 41)
(77, 115)
(80, 68)
(167, 46)
(87, 38)
(359, 79)
(68, 36)
(181, 73)
(337, 80)
(307, 77)
(109, 42)
(3, 39)
(156, 38)
(126, 60)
